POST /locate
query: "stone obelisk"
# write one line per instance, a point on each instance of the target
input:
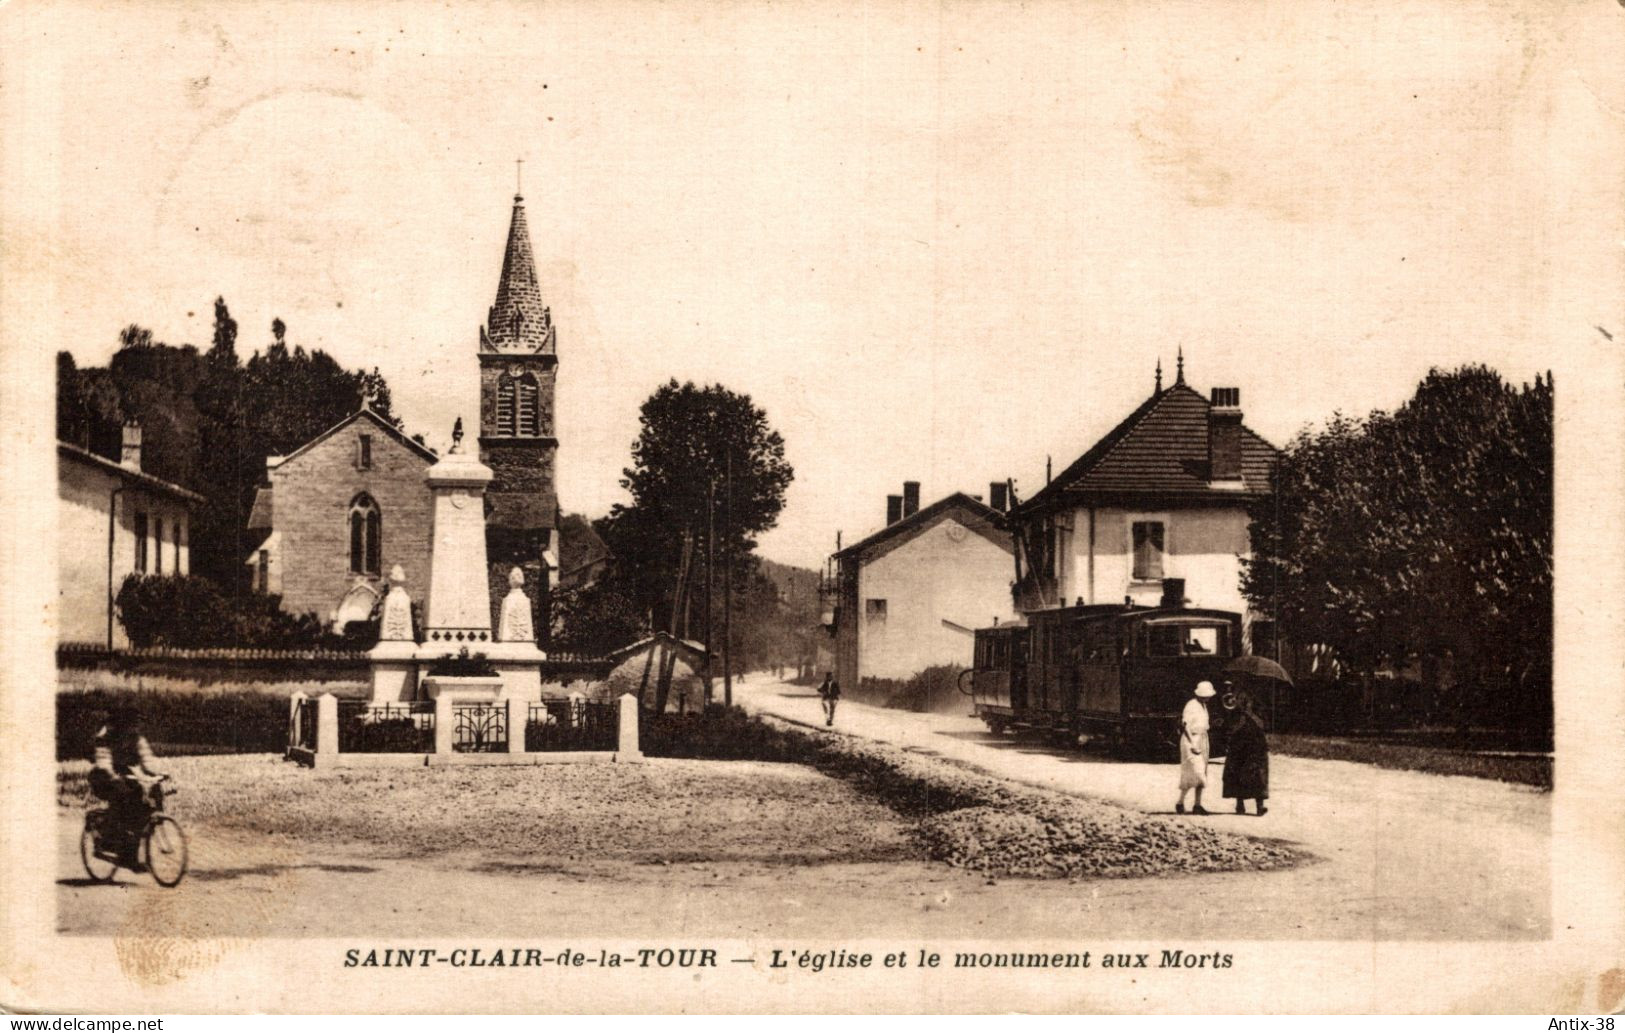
(459, 612)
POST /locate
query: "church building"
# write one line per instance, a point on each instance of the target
(518, 365)
(342, 510)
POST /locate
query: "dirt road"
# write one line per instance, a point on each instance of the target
(1406, 854)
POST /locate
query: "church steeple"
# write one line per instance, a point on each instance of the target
(518, 321)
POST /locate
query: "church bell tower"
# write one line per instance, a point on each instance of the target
(518, 367)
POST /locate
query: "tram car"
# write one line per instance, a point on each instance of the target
(1119, 673)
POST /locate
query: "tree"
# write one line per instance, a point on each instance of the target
(1423, 534)
(208, 421)
(223, 350)
(708, 475)
(680, 463)
(594, 619)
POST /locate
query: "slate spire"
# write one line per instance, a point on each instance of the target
(518, 321)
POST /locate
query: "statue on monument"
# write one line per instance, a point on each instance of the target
(515, 624)
(396, 625)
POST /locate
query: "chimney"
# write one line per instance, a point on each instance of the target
(998, 492)
(911, 498)
(130, 454)
(894, 509)
(1173, 593)
(1224, 435)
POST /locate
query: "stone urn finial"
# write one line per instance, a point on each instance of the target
(516, 624)
(396, 622)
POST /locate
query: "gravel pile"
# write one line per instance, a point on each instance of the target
(979, 822)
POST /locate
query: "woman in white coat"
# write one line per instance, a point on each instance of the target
(1193, 747)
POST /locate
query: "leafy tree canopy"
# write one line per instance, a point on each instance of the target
(208, 420)
(1425, 533)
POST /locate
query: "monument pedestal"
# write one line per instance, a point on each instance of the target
(462, 688)
(519, 665)
(394, 672)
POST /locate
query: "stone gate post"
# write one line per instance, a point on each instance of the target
(627, 750)
(518, 711)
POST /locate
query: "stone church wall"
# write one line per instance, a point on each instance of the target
(312, 494)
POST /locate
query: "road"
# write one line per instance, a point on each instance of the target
(1403, 854)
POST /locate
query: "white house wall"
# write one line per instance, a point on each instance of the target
(930, 579)
(1204, 546)
(84, 493)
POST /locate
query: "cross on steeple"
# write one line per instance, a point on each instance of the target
(518, 178)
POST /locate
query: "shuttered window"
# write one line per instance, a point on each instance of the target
(505, 406)
(529, 415)
(141, 543)
(1148, 550)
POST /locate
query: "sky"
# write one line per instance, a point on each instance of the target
(936, 242)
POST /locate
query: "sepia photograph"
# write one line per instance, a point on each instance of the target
(813, 507)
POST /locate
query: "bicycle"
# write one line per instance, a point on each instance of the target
(161, 849)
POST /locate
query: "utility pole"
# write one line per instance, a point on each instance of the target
(728, 581)
(710, 565)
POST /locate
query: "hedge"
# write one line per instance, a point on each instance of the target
(190, 612)
(177, 723)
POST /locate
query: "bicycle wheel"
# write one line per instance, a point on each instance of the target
(98, 866)
(164, 847)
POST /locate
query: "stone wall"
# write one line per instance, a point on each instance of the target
(312, 495)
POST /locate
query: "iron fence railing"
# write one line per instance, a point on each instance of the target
(480, 727)
(304, 725)
(556, 725)
(385, 727)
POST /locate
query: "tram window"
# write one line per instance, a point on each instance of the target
(1187, 640)
(1165, 640)
(1202, 640)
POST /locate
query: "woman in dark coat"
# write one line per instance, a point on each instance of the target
(1247, 760)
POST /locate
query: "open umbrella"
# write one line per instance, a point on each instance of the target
(1258, 667)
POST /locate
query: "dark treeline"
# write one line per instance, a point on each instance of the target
(1417, 546)
(209, 419)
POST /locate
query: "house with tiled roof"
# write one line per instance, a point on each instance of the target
(910, 595)
(1163, 496)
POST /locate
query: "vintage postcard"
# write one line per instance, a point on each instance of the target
(813, 507)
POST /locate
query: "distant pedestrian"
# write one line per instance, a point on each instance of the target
(1247, 758)
(829, 692)
(1193, 747)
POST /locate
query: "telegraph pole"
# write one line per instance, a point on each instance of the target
(710, 565)
(728, 581)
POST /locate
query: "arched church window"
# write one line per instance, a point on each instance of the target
(505, 406)
(529, 410)
(366, 536)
